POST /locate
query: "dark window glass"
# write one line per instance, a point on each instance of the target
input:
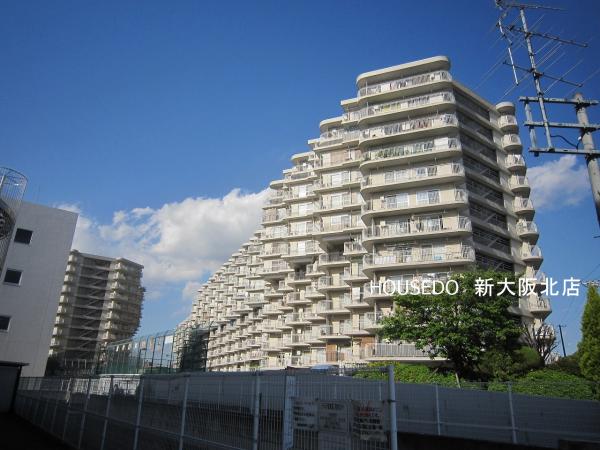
(4, 323)
(12, 276)
(23, 236)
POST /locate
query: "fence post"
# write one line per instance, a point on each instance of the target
(512, 414)
(68, 402)
(256, 413)
(289, 389)
(107, 412)
(138, 416)
(85, 406)
(437, 409)
(183, 410)
(392, 405)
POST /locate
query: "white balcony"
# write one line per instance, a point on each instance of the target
(344, 181)
(336, 137)
(422, 124)
(393, 351)
(412, 177)
(532, 254)
(393, 154)
(417, 227)
(514, 163)
(424, 202)
(528, 230)
(331, 283)
(519, 185)
(405, 83)
(508, 122)
(418, 257)
(332, 259)
(523, 206)
(511, 142)
(339, 203)
(398, 106)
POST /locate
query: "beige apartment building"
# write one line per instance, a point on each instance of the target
(100, 302)
(418, 178)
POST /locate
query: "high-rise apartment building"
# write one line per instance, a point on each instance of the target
(418, 178)
(100, 302)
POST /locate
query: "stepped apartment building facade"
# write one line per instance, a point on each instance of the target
(100, 302)
(418, 178)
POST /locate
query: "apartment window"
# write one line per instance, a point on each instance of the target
(23, 236)
(12, 276)
(4, 323)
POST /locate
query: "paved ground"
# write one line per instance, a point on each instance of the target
(18, 434)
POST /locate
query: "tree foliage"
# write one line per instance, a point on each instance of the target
(589, 347)
(460, 327)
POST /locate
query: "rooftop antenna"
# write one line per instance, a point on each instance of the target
(532, 69)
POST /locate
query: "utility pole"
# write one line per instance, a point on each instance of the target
(562, 341)
(532, 69)
(588, 146)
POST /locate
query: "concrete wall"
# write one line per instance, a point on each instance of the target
(32, 305)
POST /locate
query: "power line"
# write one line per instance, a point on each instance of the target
(534, 72)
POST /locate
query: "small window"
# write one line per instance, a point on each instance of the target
(4, 323)
(23, 236)
(12, 276)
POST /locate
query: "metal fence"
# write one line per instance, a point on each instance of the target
(289, 410)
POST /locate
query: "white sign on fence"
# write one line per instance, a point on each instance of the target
(305, 414)
(333, 416)
(368, 421)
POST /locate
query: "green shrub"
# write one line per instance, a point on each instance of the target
(407, 373)
(550, 383)
(568, 364)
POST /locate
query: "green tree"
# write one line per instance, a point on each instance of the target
(460, 327)
(589, 347)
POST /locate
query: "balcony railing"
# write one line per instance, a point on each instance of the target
(399, 105)
(307, 228)
(329, 281)
(426, 225)
(353, 177)
(532, 251)
(336, 159)
(518, 182)
(416, 173)
(405, 82)
(432, 198)
(507, 120)
(409, 126)
(526, 227)
(332, 258)
(392, 351)
(273, 216)
(419, 256)
(352, 222)
(339, 202)
(514, 161)
(510, 140)
(415, 148)
(353, 247)
(338, 136)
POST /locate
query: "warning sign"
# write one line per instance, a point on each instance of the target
(368, 421)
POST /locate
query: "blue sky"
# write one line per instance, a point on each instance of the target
(157, 111)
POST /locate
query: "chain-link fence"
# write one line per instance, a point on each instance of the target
(290, 410)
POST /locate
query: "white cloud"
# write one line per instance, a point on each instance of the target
(177, 243)
(558, 183)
